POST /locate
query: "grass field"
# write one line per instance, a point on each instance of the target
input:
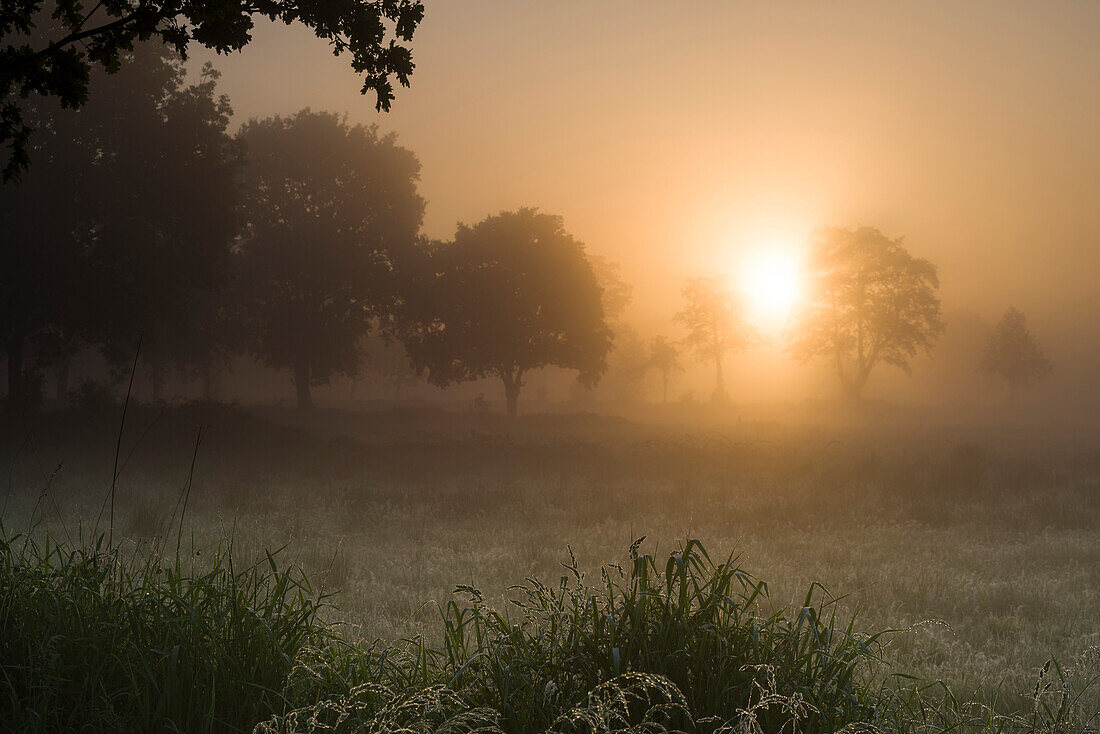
(984, 548)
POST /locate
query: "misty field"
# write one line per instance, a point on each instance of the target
(983, 550)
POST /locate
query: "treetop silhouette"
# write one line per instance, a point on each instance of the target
(1012, 354)
(512, 293)
(715, 323)
(870, 302)
(329, 209)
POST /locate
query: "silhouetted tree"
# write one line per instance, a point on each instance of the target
(130, 214)
(513, 293)
(869, 302)
(1013, 355)
(49, 48)
(715, 325)
(330, 209)
(665, 358)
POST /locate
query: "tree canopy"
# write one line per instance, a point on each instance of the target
(715, 324)
(48, 48)
(329, 209)
(512, 293)
(1012, 354)
(870, 302)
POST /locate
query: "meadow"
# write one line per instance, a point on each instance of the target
(978, 548)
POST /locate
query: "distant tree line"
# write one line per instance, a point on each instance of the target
(144, 224)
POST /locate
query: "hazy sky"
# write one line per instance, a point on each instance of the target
(679, 137)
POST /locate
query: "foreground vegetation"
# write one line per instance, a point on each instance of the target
(95, 641)
(984, 553)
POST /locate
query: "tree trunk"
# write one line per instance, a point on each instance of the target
(863, 374)
(664, 387)
(512, 384)
(61, 392)
(301, 385)
(719, 382)
(15, 370)
(511, 395)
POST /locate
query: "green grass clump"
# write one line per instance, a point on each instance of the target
(678, 646)
(92, 642)
(691, 621)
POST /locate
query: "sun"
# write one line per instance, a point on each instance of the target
(771, 285)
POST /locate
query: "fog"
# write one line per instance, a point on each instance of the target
(674, 140)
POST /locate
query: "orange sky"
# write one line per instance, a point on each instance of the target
(676, 136)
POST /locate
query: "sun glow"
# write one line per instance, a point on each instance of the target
(771, 284)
